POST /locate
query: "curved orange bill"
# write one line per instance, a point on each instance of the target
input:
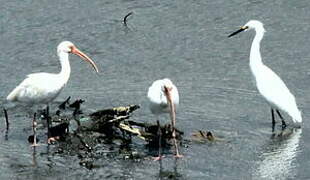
(76, 51)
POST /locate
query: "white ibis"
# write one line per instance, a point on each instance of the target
(42, 88)
(164, 98)
(268, 83)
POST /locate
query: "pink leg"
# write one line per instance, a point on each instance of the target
(177, 155)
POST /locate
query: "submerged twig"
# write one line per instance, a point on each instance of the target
(106, 126)
(77, 106)
(205, 136)
(83, 142)
(202, 134)
(131, 130)
(6, 119)
(63, 105)
(140, 124)
(118, 119)
(125, 18)
(59, 130)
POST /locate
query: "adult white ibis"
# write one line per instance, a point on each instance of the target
(164, 98)
(42, 88)
(268, 83)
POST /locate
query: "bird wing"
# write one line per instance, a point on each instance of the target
(157, 98)
(22, 90)
(273, 89)
(35, 87)
(13, 95)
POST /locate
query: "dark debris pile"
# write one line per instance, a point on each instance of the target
(103, 133)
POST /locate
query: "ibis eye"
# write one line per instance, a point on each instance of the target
(71, 48)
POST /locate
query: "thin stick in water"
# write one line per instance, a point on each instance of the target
(125, 18)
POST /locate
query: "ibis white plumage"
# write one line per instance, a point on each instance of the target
(42, 88)
(163, 96)
(268, 83)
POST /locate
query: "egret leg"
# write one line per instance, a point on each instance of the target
(159, 133)
(6, 119)
(282, 119)
(273, 120)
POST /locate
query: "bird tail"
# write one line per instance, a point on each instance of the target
(296, 116)
(13, 95)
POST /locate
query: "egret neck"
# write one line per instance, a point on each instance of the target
(255, 57)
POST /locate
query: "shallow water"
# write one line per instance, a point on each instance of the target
(184, 40)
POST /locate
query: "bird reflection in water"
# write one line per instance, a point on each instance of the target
(166, 174)
(277, 160)
(34, 157)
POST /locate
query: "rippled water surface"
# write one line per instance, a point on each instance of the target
(185, 40)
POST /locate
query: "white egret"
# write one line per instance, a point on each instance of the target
(42, 88)
(268, 83)
(164, 98)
